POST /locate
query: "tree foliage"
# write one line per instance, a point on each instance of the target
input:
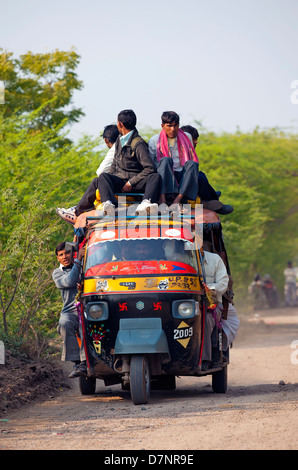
(35, 179)
(258, 174)
(35, 79)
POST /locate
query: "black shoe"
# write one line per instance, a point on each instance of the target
(75, 372)
(213, 205)
(82, 368)
(225, 209)
(78, 369)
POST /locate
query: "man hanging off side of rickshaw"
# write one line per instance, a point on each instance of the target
(217, 281)
(66, 278)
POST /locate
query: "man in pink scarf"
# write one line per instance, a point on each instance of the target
(177, 163)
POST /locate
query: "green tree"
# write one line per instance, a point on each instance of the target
(35, 179)
(257, 173)
(35, 79)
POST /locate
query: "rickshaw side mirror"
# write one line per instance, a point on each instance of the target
(71, 246)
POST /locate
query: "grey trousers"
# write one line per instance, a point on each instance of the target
(207, 346)
(68, 328)
(210, 341)
(290, 291)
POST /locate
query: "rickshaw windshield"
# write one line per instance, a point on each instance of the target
(174, 250)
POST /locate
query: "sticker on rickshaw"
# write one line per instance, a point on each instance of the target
(129, 284)
(183, 333)
(163, 284)
(102, 285)
(97, 346)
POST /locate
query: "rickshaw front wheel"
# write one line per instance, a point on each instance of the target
(220, 380)
(139, 379)
(87, 385)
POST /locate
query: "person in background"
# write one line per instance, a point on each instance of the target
(290, 290)
(193, 132)
(66, 278)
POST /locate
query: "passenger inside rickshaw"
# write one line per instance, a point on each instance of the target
(179, 250)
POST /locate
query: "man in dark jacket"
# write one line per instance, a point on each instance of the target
(132, 171)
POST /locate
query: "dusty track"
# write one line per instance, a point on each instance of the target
(259, 411)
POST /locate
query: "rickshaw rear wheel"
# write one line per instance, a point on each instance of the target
(87, 385)
(139, 379)
(220, 381)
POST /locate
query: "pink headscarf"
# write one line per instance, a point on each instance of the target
(185, 148)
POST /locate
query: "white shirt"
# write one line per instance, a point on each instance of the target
(107, 161)
(152, 145)
(290, 275)
(216, 273)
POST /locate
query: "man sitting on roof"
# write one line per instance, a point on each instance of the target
(110, 135)
(132, 170)
(173, 152)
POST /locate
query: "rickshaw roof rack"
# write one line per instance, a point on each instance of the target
(142, 217)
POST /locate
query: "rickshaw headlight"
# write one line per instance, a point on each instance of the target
(97, 311)
(183, 309)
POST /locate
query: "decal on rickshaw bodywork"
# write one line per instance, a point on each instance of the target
(123, 307)
(163, 284)
(183, 333)
(157, 306)
(151, 283)
(140, 267)
(129, 284)
(141, 284)
(102, 285)
(97, 346)
(97, 334)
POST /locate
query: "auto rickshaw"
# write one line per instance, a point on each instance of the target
(144, 301)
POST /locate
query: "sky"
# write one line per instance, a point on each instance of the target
(227, 64)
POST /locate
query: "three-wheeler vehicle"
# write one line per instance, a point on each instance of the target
(143, 303)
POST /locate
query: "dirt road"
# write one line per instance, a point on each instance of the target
(259, 411)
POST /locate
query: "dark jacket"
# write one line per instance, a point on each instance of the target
(132, 162)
